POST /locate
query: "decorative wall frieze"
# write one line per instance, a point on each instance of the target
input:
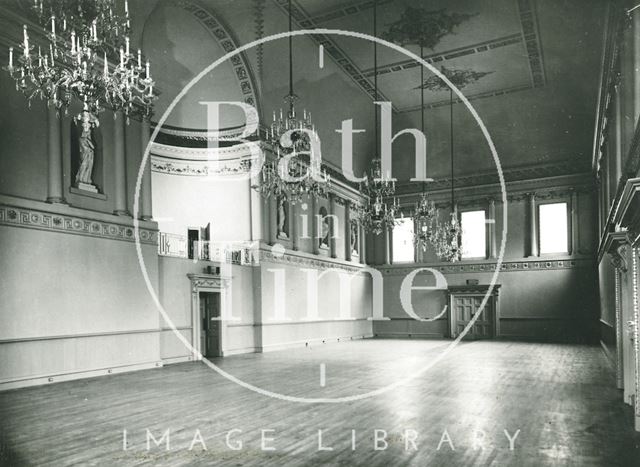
(42, 220)
(200, 281)
(201, 169)
(308, 262)
(489, 266)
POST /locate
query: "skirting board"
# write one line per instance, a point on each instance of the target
(181, 359)
(302, 343)
(410, 335)
(38, 380)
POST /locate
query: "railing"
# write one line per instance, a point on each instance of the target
(242, 253)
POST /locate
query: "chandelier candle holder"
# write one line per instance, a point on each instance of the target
(377, 215)
(296, 176)
(82, 36)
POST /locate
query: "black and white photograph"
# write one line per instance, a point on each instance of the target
(320, 232)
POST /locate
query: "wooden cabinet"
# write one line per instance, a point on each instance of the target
(465, 307)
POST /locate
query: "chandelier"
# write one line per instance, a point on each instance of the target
(377, 215)
(83, 35)
(448, 246)
(294, 176)
(427, 230)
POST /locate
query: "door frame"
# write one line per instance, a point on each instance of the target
(207, 283)
(475, 291)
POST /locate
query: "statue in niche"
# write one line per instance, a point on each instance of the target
(282, 219)
(354, 238)
(87, 151)
(324, 233)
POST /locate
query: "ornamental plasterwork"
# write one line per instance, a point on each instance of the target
(197, 168)
(490, 266)
(317, 263)
(31, 218)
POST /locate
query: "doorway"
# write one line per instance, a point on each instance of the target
(465, 308)
(210, 324)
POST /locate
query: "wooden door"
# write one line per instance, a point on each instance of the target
(465, 308)
(210, 329)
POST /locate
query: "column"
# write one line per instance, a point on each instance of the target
(362, 244)
(145, 190)
(618, 129)
(619, 329)
(491, 228)
(293, 213)
(120, 166)
(347, 230)
(575, 240)
(315, 241)
(55, 184)
(533, 231)
(332, 226)
(388, 254)
(272, 203)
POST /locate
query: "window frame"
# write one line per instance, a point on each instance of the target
(486, 232)
(555, 200)
(391, 235)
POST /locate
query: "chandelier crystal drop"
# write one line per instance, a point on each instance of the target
(377, 214)
(82, 36)
(292, 174)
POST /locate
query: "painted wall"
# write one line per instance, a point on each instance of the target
(73, 303)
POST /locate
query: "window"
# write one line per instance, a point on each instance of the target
(474, 234)
(403, 250)
(554, 228)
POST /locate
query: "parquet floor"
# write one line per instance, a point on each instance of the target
(561, 397)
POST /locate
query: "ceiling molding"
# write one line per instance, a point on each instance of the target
(338, 56)
(347, 10)
(530, 34)
(471, 97)
(226, 41)
(569, 166)
(480, 47)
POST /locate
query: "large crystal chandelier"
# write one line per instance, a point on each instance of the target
(448, 244)
(296, 176)
(427, 229)
(377, 215)
(82, 36)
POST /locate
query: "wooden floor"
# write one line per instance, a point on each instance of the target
(560, 397)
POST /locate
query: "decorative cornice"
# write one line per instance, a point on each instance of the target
(199, 281)
(571, 166)
(489, 266)
(42, 220)
(308, 261)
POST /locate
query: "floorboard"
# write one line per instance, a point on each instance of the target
(562, 398)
